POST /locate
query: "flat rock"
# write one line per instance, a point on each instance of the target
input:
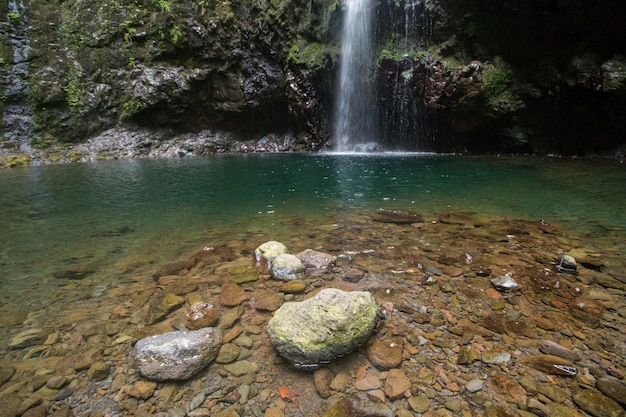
(161, 306)
(386, 354)
(359, 404)
(232, 295)
(551, 348)
(598, 404)
(328, 325)
(142, 390)
(30, 337)
(176, 355)
(265, 300)
(613, 388)
(396, 384)
(398, 216)
(315, 261)
(296, 286)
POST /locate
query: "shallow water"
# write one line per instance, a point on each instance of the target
(121, 220)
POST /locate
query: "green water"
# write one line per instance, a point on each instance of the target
(103, 212)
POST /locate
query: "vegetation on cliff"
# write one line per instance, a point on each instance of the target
(514, 76)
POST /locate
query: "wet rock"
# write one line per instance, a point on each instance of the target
(587, 309)
(176, 355)
(550, 348)
(496, 356)
(265, 300)
(177, 284)
(505, 283)
(201, 315)
(550, 364)
(506, 389)
(613, 388)
(241, 368)
(566, 263)
(75, 272)
(6, 372)
(354, 275)
(293, 287)
(597, 404)
(287, 267)
(30, 337)
(315, 261)
(142, 390)
(359, 404)
(229, 317)
(56, 382)
(322, 379)
(386, 353)
(474, 385)
(98, 371)
(396, 384)
(173, 268)
(420, 403)
(559, 410)
(269, 250)
(319, 329)
(232, 295)
(467, 355)
(398, 216)
(161, 306)
(229, 352)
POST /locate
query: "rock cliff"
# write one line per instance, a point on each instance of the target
(513, 76)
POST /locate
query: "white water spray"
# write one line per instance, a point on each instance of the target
(355, 113)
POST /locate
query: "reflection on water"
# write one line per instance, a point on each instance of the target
(100, 213)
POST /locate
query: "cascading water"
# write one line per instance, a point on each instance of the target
(355, 113)
(16, 117)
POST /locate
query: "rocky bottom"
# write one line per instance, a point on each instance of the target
(481, 317)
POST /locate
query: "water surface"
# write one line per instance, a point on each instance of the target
(159, 210)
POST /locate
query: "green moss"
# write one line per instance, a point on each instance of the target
(131, 107)
(12, 161)
(312, 55)
(496, 87)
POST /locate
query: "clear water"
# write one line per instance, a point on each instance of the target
(121, 211)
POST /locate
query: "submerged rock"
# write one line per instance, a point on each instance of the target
(317, 330)
(505, 283)
(598, 405)
(176, 355)
(398, 216)
(360, 404)
(551, 364)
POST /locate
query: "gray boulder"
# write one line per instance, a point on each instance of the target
(176, 355)
(329, 325)
(287, 267)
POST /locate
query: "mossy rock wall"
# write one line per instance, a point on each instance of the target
(513, 76)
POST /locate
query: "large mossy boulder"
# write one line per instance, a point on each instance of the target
(326, 326)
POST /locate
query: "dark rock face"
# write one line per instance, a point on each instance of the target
(491, 77)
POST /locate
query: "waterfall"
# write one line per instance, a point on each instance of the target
(16, 114)
(355, 109)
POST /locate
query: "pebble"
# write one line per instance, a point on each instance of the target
(396, 384)
(474, 385)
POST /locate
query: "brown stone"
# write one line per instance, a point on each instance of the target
(142, 390)
(177, 284)
(265, 300)
(386, 353)
(587, 310)
(506, 389)
(161, 306)
(296, 286)
(396, 384)
(322, 378)
(232, 295)
(202, 314)
(597, 404)
(98, 371)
